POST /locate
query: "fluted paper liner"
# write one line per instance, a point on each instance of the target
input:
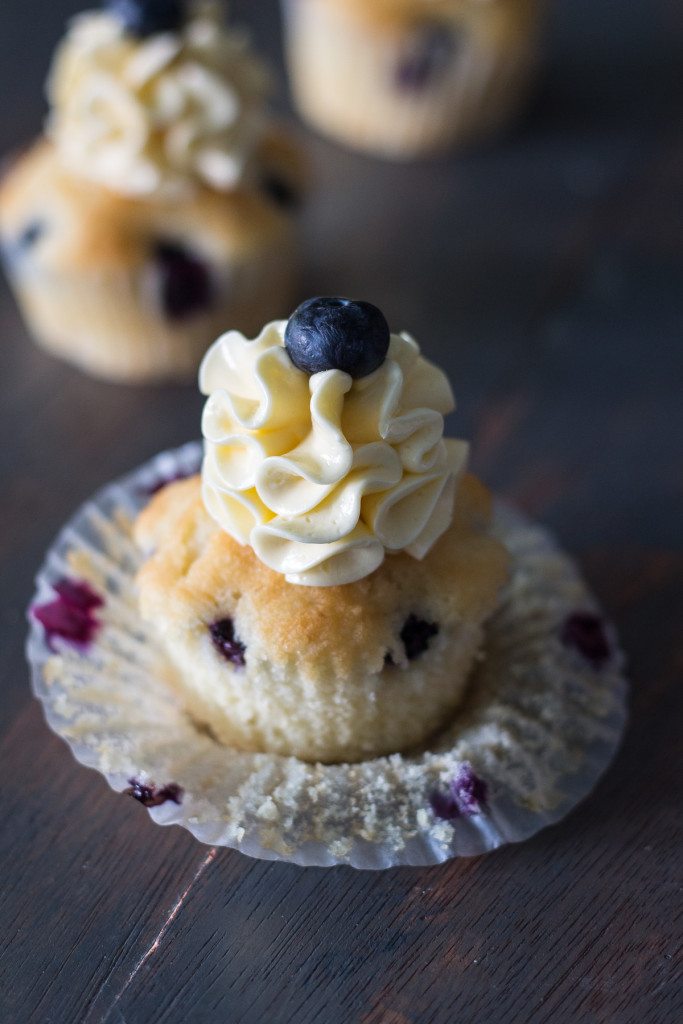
(539, 727)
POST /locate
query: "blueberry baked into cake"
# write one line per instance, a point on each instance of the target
(161, 201)
(406, 78)
(322, 586)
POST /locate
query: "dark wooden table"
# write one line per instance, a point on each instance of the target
(547, 276)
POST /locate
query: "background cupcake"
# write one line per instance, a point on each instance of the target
(405, 78)
(160, 204)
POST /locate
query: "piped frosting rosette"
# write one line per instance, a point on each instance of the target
(323, 475)
(156, 115)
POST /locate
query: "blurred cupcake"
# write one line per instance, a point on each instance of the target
(322, 588)
(161, 203)
(406, 78)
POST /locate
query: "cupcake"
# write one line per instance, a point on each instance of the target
(160, 203)
(321, 588)
(407, 78)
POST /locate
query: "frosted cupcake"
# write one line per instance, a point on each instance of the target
(322, 588)
(161, 202)
(406, 78)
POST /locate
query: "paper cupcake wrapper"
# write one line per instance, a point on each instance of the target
(544, 716)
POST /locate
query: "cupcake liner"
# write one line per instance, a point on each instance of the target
(542, 720)
(342, 72)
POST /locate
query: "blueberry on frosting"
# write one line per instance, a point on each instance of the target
(143, 18)
(337, 334)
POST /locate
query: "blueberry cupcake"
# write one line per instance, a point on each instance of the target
(407, 78)
(161, 201)
(321, 588)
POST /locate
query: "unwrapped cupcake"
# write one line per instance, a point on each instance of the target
(407, 78)
(161, 202)
(321, 588)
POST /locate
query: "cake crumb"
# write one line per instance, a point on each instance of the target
(268, 810)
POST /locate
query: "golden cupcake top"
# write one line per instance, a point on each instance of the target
(197, 571)
(156, 97)
(324, 446)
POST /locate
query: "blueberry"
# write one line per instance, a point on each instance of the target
(430, 52)
(31, 234)
(282, 193)
(186, 287)
(586, 633)
(416, 634)
(143, 18)
(227, 643)
(28, 237)
(337, 334)
(150, 796)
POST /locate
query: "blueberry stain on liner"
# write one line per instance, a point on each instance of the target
(150, 795)
(586, 633)
(71, 615)
(426, 59)
(466, 795)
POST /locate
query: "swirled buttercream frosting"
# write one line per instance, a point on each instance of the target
(158, 115)
(323, 475)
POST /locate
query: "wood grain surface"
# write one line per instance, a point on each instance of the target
(546, 275)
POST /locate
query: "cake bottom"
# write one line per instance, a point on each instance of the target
(321, 673)
(136, 289)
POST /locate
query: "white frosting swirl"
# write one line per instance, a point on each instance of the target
(323, 475)
(156, 115)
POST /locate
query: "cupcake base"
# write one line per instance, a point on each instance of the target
(543, 718)
(339, 673)
(404, 86)
(134, 290)
(108, 324)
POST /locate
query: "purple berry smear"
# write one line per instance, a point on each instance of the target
(416, 634)
(465, 797)
(148, 794)
(71, 615)
(226, 642)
